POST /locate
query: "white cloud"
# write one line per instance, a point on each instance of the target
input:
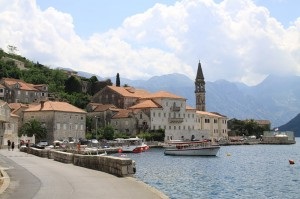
(235, 40)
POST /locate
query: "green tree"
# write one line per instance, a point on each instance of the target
(72, 85)
(108, 133)
(34, 127)
(118, 83)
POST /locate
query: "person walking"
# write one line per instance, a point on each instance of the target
(12, 146)
(8, 144)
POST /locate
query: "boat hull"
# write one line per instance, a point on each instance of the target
(203, 151)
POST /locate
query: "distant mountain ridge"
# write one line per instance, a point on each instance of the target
(276, 98)
(293, 125)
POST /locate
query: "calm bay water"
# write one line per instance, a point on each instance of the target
(247, 171)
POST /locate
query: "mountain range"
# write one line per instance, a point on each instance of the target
(276, 98)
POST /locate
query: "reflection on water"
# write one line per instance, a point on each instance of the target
(250, 171)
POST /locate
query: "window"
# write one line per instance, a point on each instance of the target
(215, 121)
(158, 114)
(58, 126)
(164, 114)
(65, 126)
(206, 120)
(141, 116)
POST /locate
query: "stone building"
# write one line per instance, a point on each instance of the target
(8, 125)
(100, 114)
(214, 123)
(121, 97)
(18, 109)
(169, 112)
(124, 121)
(16, 90)
(61, 119)
(163, 110)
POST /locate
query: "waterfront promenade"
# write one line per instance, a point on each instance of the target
(28, 176)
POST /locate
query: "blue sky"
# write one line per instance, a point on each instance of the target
(237, 40)
(100, 15)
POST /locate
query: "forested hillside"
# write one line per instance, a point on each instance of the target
(61, 87)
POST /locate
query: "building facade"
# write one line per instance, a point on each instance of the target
(62, 120)
(8, 125)
(18, 91)
(121, 97)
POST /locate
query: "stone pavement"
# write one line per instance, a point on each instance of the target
(28, 176)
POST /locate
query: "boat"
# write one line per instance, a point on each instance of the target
(134, 145)
(191, 148)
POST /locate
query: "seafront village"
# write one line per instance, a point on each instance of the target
(127, 109)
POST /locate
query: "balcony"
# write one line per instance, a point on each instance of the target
(175, 108)
(175, 120)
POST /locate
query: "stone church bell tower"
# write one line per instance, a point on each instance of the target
(200, 89)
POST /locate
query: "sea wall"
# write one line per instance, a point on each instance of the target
(117, 166)
(277, 140)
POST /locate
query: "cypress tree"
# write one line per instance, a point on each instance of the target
(118, 83)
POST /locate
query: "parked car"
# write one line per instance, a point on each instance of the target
(42, 144)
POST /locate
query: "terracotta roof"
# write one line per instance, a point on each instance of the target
(189, 108)
(2, 102)
(103, 107)
(209, 114)
(162, 94)
(13, 115)
(23, 85)
(55, 106)
(16, 106)
(123, 113)
(145, 104)
(129, 91)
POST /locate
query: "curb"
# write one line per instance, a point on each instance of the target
(6, 180)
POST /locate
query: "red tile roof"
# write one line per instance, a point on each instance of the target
(145, 104)
(209, 114)
(123, 113)
(55, 106)
(103, 107)
(129, 91)
(162, 94)
(23, 85)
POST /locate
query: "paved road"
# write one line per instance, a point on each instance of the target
(42, 178)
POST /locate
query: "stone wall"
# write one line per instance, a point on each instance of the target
(120, 167)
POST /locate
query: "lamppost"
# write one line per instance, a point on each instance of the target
(97, 133)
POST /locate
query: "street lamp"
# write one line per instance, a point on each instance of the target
(97, 133)
(96, 126)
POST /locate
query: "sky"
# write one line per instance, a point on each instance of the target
(236, 40)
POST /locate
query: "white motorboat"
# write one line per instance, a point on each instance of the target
(191, 148)
(135, 145)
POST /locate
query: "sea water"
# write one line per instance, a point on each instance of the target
(244, 171)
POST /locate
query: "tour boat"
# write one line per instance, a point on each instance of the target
(191, 148)
(135, 145)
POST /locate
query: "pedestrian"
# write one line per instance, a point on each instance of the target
(12, 146)
(8, 144)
